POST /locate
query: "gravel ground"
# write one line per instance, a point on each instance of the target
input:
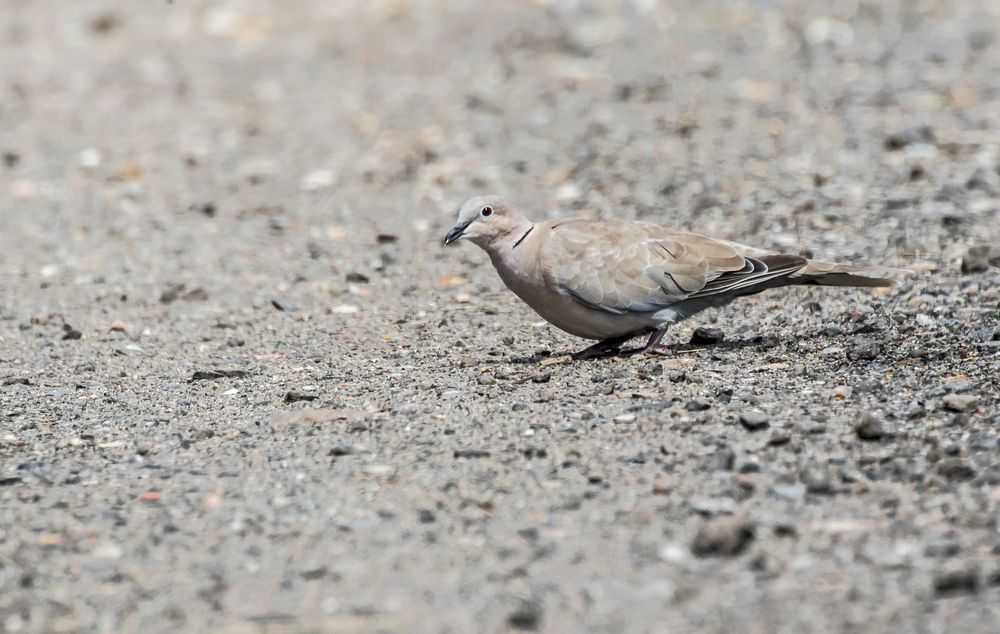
(243, 388)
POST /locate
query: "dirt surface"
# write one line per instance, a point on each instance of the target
(244, 388)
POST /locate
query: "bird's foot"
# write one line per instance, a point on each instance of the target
(606, 348)
(652, 346)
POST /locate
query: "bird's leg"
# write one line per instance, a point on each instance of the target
(600, 349)
(651, 345)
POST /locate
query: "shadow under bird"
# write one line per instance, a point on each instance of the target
(612, 280)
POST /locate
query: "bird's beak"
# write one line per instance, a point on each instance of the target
(456, 232)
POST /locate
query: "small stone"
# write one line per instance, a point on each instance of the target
(295, 397)
(955, 582)
(311, 574)
(70, 333)
(471, 453)
(864, 350)
(527, 617)
(129, 350)
(979, 258)
(956, 469)
(662, 486)
(211, 375)
(485, 379)
(961, 402)
(722, 537)
(283, 305)
(542, 377)
(942, 549)
(779, 438)
(915, 134)
(425, 516)
(754, 421)
(341, 450)
(838, 393)
(869, 427)
(723, 459)
(357, 278)
(793, 492)
(707, 336)
(697, 405)
(712, 506)
(171, 293)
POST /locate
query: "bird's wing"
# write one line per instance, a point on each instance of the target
(621, 266)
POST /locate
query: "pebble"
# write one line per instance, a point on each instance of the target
(956, 582)
(864, 349)
(915, 134)
(211, 375)
(283, 305)
(526, 618)
(754, 420)
(471, 453)
(961, 402)
(485, 379)
(70, 333)
(707, 336)
(869, 427)
(981, 257)
(794, 492)
(697, 405)
(723, 537)
(956, 469)
(712, 506)
(295, 397)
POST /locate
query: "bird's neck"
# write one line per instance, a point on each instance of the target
(508, 251)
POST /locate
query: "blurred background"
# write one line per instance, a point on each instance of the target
(264, 185)
(133, 122)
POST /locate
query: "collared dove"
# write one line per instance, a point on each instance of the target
(612, 280)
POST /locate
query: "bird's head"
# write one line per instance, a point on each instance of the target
(486, 221)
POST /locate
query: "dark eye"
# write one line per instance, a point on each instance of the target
(486, 211)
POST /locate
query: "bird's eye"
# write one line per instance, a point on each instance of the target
(486, 211)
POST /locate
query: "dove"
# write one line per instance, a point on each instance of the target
(614, 280)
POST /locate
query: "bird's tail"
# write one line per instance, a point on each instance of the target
(830, 274)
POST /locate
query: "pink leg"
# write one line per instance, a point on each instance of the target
(651, 345)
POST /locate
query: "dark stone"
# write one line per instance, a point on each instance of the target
(211, 375)
(341, 450)
(956, 582)
(357, 278)
(527, 617)
(295, 397)
(707, 336)
(70, 333)
(425, 516)
(283, 305)
(471, 453)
